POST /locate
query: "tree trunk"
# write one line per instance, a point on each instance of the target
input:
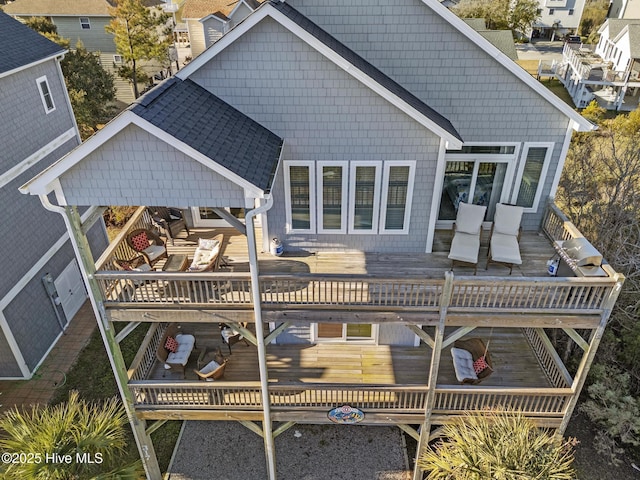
(134, 78)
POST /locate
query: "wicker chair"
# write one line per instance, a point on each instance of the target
(147, 244)
(169, 221)
(214, 370)
(477, 349)
(136, 264)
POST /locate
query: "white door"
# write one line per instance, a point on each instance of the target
(71, 291)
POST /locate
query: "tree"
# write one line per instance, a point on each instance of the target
(516, 15)
(498, 445)
(139, 36)
(58, 441)
(90, 86)
(594, 15)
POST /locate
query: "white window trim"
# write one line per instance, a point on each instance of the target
(345, 197)
(82, 24)
(375, 334)
(117, 59)
(543, 173)
(385, 192)
(44, 80)
(312, 196)
(376, 197)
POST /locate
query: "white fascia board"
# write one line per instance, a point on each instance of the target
(267, 10)
(211, 15)
(241, 2)
(61, 53)
(581, 124)
(46, 181)
(622, 33)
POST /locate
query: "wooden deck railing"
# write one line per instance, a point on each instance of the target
(548, 358)
(449, 400)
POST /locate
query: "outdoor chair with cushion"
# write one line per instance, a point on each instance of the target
(214, 370)
(169, 221)
(505, 236)
(467, 231)
(175, 348)
(231, 336)
(148, 244)
(207, 255)
(471, 361)
(136, 264)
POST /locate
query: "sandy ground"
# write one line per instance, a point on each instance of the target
(228, 451)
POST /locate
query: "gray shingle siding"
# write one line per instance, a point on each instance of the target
(434, 61)
(323, 114)
(27, 128)
(8, 365)
(149, 172)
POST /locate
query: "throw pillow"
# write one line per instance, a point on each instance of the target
(480, 365)
(125, 264)
(207, 243)
(140, 241)
(171, 344)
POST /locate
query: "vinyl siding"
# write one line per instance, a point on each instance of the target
(196, 37)
(212, 29)
(395, 334)
(434, 61)
(8, 365)
(95, 39)
(295, 334)
(324, 115)
(149, 172)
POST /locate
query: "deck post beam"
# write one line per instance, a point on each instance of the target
(283, 428)
(275, 332)
(88, 268)
(231, 220)
(459, 333)
(575, 336)
(245, 332)
(253, 426)
(412, 432)
(256, 297)
(587, 358)
(155, 425)
(131, 326)
(445, 300)
(424, 336)
(554, 354)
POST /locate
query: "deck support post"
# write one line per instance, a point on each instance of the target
(588, 356)
(87, 267)
(267, 432)
(438, 338)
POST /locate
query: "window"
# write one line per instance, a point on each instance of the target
(332, 197)
(533, 169)
(348, 197)
(45, 94)
(85, 24)
(551, 10)
(117, 59)
(397, 191)
(364, 196)
(571, 11)
(300, 187)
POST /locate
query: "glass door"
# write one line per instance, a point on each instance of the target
(345, 332)
(206, 217)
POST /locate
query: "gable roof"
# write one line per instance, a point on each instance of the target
(616, 25)
(197, 9)
(193, 115)
(96, 8)
(27, 46)
(195, 122)
(501, 39)
(342, 56)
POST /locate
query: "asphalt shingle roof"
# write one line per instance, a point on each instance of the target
(364, 66)
(214, 128)
(26, 45)
(201, 8)
(58, 7)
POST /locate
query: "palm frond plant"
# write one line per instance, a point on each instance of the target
(68, 441)
(498, 445)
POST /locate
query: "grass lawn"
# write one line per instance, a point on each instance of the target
(92, 376)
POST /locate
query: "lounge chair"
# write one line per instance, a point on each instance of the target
(504, 240)
(467, 231)
(208, 255)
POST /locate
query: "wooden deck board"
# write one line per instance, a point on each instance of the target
(514, 363)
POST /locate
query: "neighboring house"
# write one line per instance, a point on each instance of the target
(501, 39)
(79, 20)
(610, 73)
(353, 130)
(36, 129)
(208, 20)
(624, 9)
(559, 17)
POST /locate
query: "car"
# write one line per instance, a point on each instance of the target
(573, 39)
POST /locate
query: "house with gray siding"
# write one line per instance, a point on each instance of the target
(40, 129)
(347, 133)
(79, 21)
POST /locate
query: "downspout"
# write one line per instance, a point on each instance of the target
(145, 448)
(257, 312)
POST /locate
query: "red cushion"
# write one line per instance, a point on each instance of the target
(125, 264)
(171, 344)
(140, 241)
(480, 365)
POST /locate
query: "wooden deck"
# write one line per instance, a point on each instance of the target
(515, 365)
(535, 251)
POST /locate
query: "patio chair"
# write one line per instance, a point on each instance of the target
(467, 231)
(504, 239)
(231, 336)
(136, 264)
(169, 221)
(147, 244)
(207, 256)
(471, 361)
(214, 370)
